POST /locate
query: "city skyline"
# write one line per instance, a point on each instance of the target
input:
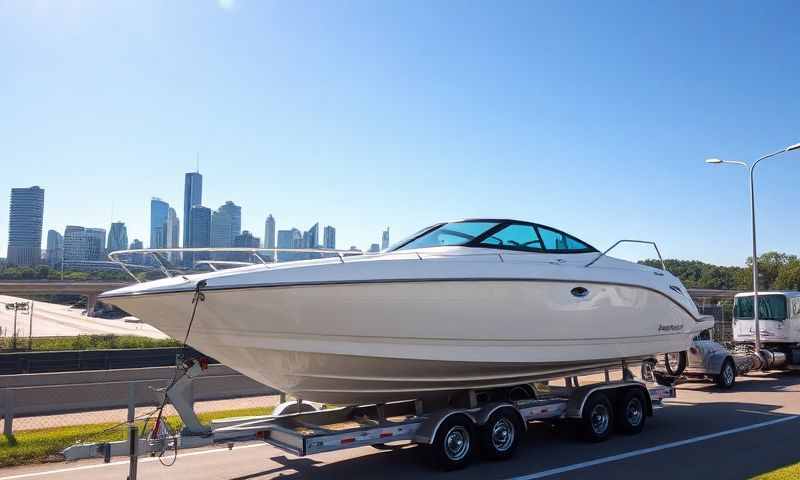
(219, 228)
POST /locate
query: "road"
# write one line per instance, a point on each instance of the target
(704, 433)
(54, 320)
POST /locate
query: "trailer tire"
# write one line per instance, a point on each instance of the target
(454, 443)
(727, 375)
(500, 435)
(597, 418)
(680, 359)
(631, 412)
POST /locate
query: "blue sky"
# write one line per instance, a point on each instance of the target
(591, 118)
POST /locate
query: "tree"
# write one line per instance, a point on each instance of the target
(789, 277)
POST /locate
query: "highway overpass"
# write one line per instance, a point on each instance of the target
(89, 289)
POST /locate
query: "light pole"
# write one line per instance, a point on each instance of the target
(752, 167)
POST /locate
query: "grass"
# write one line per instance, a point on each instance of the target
(90, 342)
(792, 472)
(32, 446)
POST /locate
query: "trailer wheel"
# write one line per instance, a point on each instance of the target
(675, 363)
(631, 412)
(453, 446)
(500, 435)
(598, 417)
(727, 375)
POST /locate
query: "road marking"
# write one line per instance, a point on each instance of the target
(645, 451)
(125, 462)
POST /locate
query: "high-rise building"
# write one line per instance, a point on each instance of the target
(136, 259)
(329, 237)
(82, 244)
(374, 248)
(173, 234)
(173, 229)
(311, 237)
(289, 239)
(192, 195)
(269, 232)
(25, 226)
(246, 240)
(385, 239)
(159, 211)
(226, 224)
(200, 234)
(55, 248)
(117, 237)
(235, 213)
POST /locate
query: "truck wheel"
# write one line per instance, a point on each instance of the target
(500, 435)
(727, 375)
(598, 417)
(453, 446)
(631, 412)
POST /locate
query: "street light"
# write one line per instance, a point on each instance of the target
(717, 161)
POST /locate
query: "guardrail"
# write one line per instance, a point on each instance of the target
(70, 392)
(81, 360)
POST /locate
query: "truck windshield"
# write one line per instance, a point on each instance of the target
(770, 307)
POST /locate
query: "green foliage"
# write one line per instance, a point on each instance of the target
(91, 342)
(44, 272)
(776, 271)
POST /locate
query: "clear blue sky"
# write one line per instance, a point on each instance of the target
(592, 118)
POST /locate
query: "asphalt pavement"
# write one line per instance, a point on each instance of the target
(703, 433)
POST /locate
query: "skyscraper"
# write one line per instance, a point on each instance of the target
(117, 237)
(329, 237)
(269, 232)
(374, 248)
(311, 237)
(289, 239)
(159, 211)
(192, 195)
(235, 212)
(82, 244)
(200, 234)
(136, 259)
(173, 234)
(55, 248)
(25, 226)
(385, 239)
(173, 229)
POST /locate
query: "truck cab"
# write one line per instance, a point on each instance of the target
(778, 316)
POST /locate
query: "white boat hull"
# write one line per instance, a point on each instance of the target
(374, 341)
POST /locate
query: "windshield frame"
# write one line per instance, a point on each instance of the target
(501, 224)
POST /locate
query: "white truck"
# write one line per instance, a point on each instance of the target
(779, 326)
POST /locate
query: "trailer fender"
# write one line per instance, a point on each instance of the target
(483, 415)
(427, 431)
(579, 396)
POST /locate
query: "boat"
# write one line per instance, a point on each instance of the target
(474, 304)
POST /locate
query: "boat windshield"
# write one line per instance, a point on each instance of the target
(449, 234)
(770, 307)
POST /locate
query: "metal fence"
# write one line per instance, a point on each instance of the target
(723, 323)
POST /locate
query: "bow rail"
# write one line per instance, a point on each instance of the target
(261, 254)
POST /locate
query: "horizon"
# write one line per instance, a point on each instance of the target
(592, 119)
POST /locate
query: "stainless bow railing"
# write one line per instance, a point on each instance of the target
(261, 254)
(601, 255)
